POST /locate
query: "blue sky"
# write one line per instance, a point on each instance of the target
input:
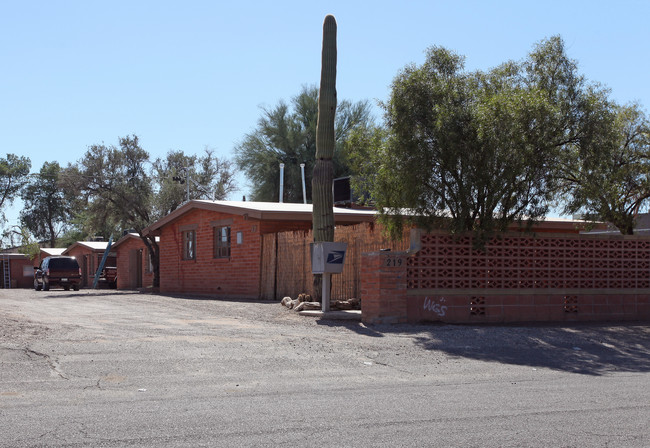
(191, 74)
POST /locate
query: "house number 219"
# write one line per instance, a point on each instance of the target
(393, 262)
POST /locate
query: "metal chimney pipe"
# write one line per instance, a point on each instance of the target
(187, 181)
(281, 181)
(304, 191)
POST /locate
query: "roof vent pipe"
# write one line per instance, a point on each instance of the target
(281, 182)
(304, 191)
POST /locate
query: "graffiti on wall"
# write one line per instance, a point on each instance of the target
(435, 306)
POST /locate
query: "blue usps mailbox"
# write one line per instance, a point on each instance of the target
(327, 258)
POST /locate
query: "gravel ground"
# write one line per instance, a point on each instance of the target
(114, 368)
(592, 348)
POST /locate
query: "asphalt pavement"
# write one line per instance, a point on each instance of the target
(116, 369)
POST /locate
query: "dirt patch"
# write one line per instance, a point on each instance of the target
(20, 331)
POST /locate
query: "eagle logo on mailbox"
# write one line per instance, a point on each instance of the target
(335, 257)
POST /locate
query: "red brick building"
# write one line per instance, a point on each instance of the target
(215, 247)
(89, 254)
(17, 270)
(134, 268)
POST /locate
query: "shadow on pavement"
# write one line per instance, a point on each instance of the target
(590, 349)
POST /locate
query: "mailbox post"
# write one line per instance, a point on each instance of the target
(327, 258)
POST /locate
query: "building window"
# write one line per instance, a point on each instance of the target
(189, 245)
(222, 242)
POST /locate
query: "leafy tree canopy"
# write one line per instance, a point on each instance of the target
(286, 134)
(209, 177)
(475, 151)
(45, 210)
(14, 171)
(115, 183)
(118, 190)
(608, 178)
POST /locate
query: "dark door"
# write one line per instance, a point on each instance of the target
(138, 269)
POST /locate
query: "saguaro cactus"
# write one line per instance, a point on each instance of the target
(322, 196)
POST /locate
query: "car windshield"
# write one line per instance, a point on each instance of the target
(63, 263)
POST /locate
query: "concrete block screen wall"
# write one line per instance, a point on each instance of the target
(516, 278)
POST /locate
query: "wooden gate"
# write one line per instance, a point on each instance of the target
(286, 261)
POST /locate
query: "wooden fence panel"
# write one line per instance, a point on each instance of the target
(267, 269)
(293, 262)
(287, 270)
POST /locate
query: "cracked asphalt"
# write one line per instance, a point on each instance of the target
(116, 369)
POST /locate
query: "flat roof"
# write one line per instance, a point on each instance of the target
(13, 256)
(95, 246)
(264, 211)
(53, 250)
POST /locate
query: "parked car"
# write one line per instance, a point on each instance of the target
(57, 271)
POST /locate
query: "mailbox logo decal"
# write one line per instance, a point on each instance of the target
(335, 257)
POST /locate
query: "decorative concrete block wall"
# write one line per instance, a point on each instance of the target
(515, 278)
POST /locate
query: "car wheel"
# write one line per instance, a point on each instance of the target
(46, 285)
(66, 288)
(37, 285)
(75, 287)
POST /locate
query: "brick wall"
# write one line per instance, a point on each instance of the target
(237, 276)
(529, 307)
(517, 278)
(18, 268)
(383, 287)
(126, 270)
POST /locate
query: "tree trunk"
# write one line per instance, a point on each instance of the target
(154, 252)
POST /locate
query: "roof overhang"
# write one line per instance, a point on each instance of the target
(263, 211)
(93, 246)
(14, 256)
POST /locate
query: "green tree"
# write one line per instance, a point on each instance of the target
(14, 171)
(21, 239)
(608, 176)
(287, 134)
(475, 151)
(117, 191)
(116, 185)
(211, 178)
(29, 246)
(72, 235)
(45, 210)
